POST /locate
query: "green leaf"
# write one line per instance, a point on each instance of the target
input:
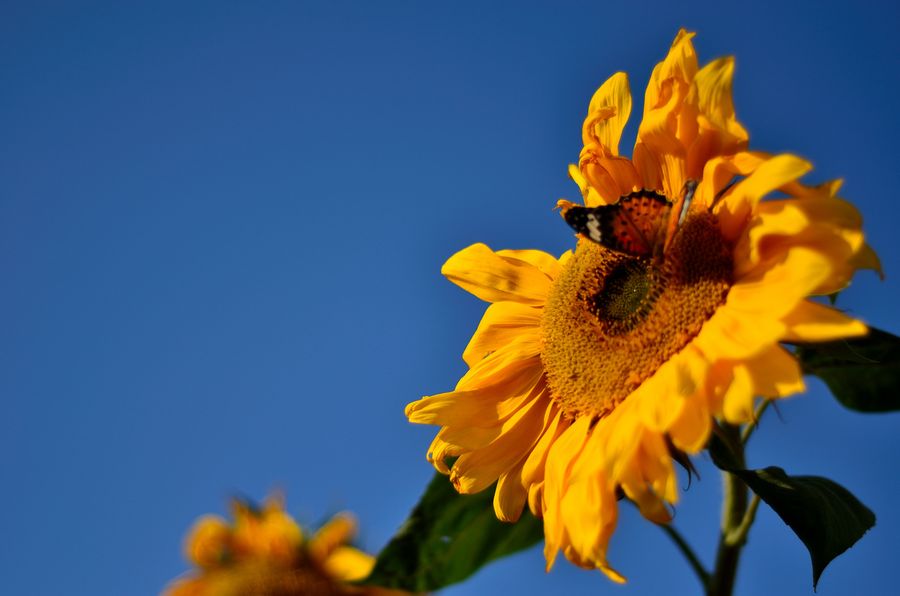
(862, 373)
(447, 538)
(823, 514)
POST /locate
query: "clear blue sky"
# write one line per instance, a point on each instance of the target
(221, 229)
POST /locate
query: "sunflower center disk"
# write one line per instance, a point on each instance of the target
(612, 319)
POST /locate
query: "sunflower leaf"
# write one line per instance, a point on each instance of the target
(862, 373)
(447, 538)
(823, 514)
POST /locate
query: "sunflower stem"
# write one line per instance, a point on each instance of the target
(735, 521)
(739, 535)
(688, 552)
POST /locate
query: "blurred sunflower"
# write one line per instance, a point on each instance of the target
(588, 373)
(264, 553)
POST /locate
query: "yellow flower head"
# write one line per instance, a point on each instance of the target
(264, 552)
(587, 372)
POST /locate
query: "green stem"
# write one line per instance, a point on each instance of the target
(688, 552)
(734, 516)
(739, 535)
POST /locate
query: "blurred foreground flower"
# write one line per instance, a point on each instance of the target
(264, 552)
(589, 373)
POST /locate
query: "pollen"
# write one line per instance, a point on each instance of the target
(613, 319)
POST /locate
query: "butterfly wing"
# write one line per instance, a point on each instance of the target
(635, 225)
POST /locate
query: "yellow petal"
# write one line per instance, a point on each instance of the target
(475, 471)
(669, 124)
(844, 270)
(691, 429)
(607, 177)
(545, 262)
(713, 84)
(679, 405)
(811, 321)
(470, 438)
(510, 495)
(611, 573)
(778, 287)
(772, 373)
(773, 291)
(775, 373)
(648, 166)
(731, 334)
(589, 512)
(339, 530)
(837, 247)
(680, 63)
(647, 476)
(779, 224)
(482, 407)
(719, 172)
(645, 473)
(348, 564)
(827, 189)
(559, 460)
(502, 323)
(735, 208)
(665, 132)
(659, 470)
(533, 470)
(654, 397)
(604, 189)
(521, 353)
(494, 278)
(536, 498)
(591, 196)
(622, 170)
(614, 439)
(608, 113)
(659, 129)
(866, 258)
(440, 450)
(208, 541)
(188, 586)
(279, 538)
(720, 133)
(738, 397)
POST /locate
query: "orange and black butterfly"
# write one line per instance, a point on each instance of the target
(642, 223)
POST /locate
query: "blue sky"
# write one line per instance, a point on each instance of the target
(221, 229)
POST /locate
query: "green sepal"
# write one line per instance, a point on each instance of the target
(447, 538)
(823, 514)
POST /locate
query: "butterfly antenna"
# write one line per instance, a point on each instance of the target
(722, 192)
(690, 187)
(674, 225)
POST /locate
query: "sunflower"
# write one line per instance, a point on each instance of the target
(264, 553)
(590, 372)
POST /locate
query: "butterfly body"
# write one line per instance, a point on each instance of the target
(642, 223)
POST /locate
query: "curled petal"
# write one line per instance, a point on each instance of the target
(608, 113)
(719, 131)
(736, 207)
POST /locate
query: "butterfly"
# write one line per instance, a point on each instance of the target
(641, 224)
